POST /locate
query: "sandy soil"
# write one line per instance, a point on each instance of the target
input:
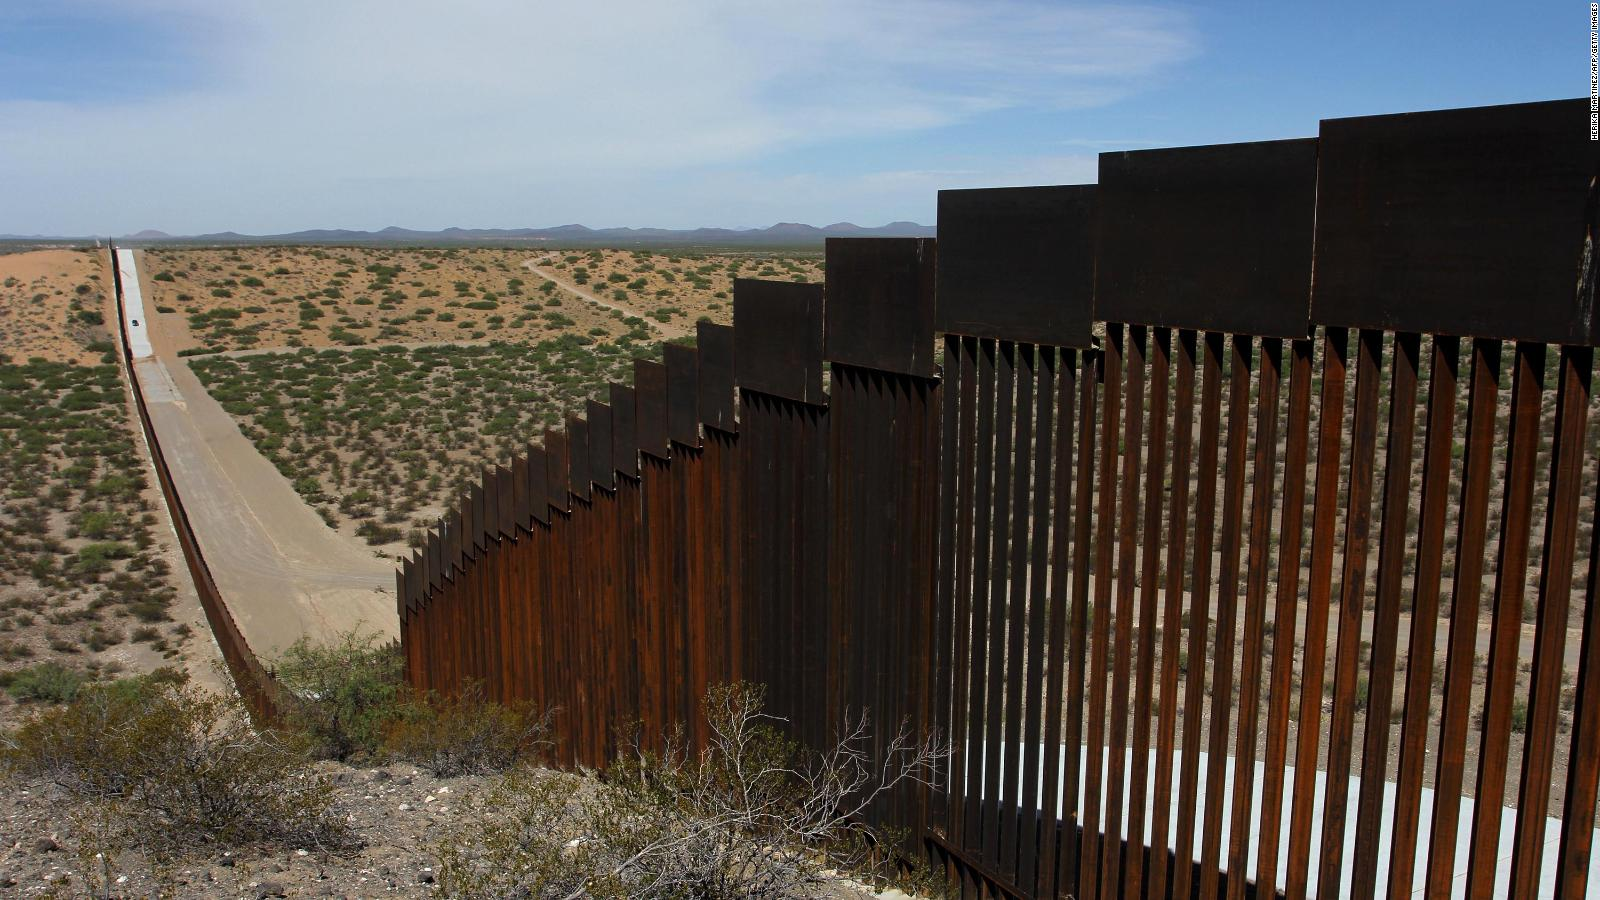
(246, 298)
(41, 292)
(250, 297)
(675, 287)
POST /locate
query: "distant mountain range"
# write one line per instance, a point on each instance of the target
(787, 234)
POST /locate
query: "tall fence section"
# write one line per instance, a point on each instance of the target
(1233, 519)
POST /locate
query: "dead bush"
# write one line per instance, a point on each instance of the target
(754, 815)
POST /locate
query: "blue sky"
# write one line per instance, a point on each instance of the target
(272, 115)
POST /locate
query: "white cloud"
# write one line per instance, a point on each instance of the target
(492, 112)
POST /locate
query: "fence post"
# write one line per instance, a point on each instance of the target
(783, 496)
(883, 471)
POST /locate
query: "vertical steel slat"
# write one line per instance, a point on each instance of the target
(1039, 599)
(1353, 577)
(1005, 371)
(963, 624)
(1149, 584)
(1082, 530)
(610, 660)
(1172, 612)
(538, 485)
(1055, 658)
(601, 469)
(1199, 612)
(980, 596)
(946, 629)
(1386, 614)
(624, 430)
(1131, 347)
(918, 403)
(811, 617)
(1016, 612)
(1105, 519)
(692, 595)
(1437, 445)
(1290, 534)
(1550, 636)
(1314, 652)
(1583, 764)
(733, 527)
(515, 655)
(1264, 469)
(1527, 384)
(499, 655)
(1227, 611)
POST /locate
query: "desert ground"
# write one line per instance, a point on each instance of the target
(378, 381)
(91, 582)
(290, 297)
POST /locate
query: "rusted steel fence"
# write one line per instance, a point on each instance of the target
(256, 686)
(1233, 519)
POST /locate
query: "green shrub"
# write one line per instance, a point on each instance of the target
(97, 524)
(167, 766)
(346, 694)
(47, 682)
(463, 733)
(97, 557)
(379, 534)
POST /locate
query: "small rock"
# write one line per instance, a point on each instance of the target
(45, 845)
(271, 889)
(404, 807)
(226, 861)
(425, 877)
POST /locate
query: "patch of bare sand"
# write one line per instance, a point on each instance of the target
(42, 294)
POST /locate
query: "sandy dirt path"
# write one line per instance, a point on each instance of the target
(667, 329)
(284, 573)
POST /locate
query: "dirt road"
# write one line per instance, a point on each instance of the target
(283, 572)
(667, 329)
